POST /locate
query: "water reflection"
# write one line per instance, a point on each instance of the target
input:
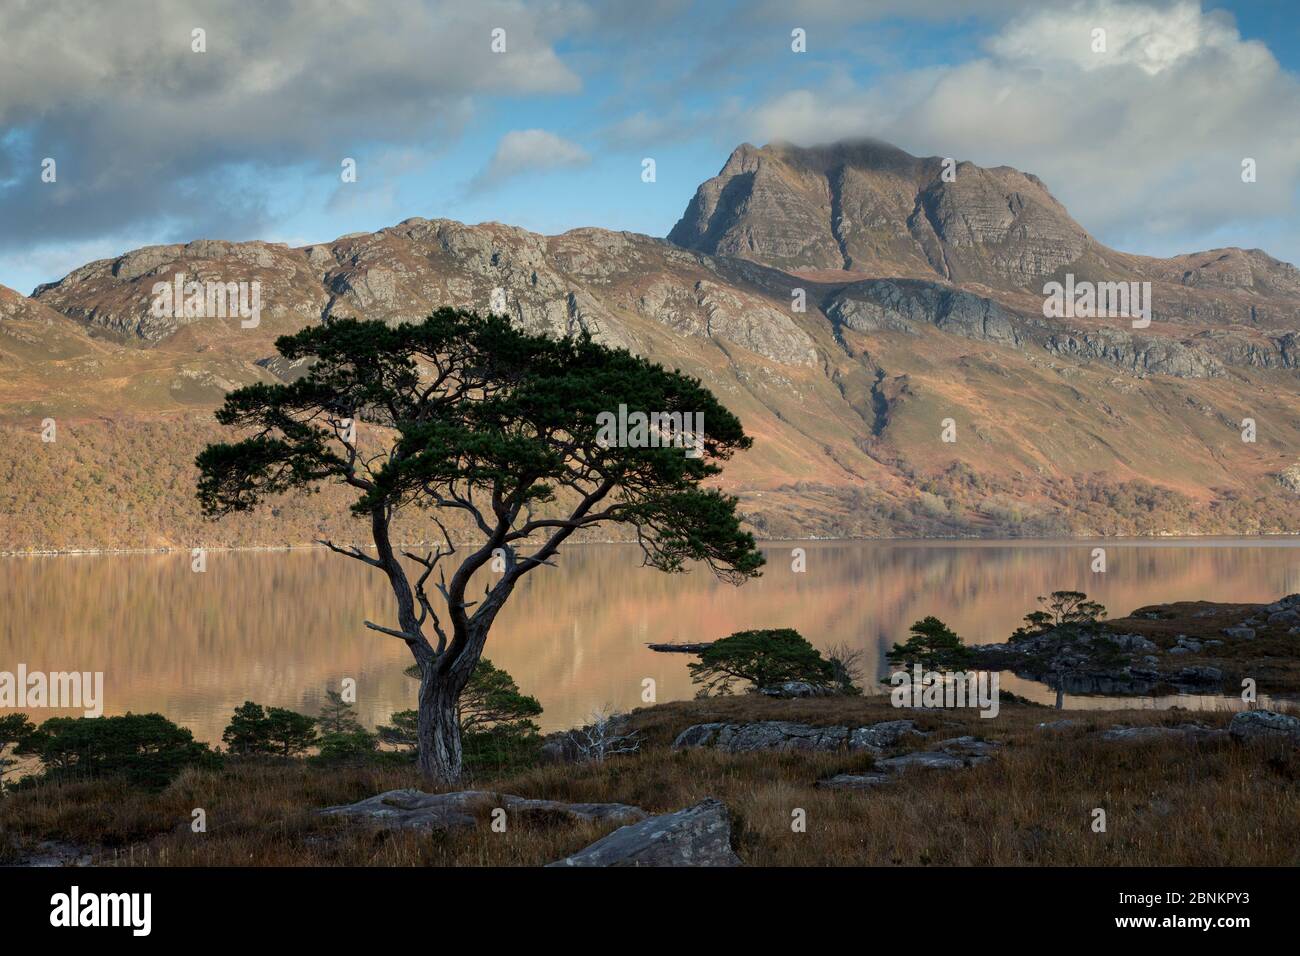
(279, 627)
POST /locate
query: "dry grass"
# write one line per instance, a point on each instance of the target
(1167, 801)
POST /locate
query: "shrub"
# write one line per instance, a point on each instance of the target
(147, 749)
(14, 729)
(255, 730)
(762, 658)
(347, 745)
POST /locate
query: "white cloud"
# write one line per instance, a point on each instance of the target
(524, 151)
(145, 130)
(1143, 142)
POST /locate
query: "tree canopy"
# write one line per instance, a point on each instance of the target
(761, 657)
(933, 645)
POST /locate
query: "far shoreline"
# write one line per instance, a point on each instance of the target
(1265, 539)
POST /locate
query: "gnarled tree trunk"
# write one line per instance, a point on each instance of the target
(439, 759)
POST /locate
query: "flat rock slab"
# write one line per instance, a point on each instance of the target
(1264, 724)
(1187, 731)
(417, 810)
(788, 735)
(697, 836)
(854, 781)
(952, 754)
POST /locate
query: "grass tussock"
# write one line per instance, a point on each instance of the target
(1167, 801)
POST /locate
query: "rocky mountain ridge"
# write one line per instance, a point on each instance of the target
(921, 302)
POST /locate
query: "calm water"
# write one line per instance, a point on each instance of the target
(280, 627)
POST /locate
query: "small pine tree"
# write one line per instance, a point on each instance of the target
(933, 645)
(1070, 609)
(255, 730)
(338, 716)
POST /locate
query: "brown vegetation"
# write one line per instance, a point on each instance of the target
(1168, 801)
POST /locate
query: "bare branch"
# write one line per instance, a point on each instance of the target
(353, 552)
(403, 635)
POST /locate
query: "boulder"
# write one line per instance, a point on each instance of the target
(697, 836)
(1058, 724)
(1188, 731)
(926, 759)
(1197, 675)
(1264, 724)
(416, 810)
(853, 781)
(1133, 642)
(1240, 633)
(788, 735)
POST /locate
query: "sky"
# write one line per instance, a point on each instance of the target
(541, 114)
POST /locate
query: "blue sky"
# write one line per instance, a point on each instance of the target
(155, 142)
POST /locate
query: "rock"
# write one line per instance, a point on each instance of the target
(697, 836)
(416, 810)
(1057, 724)
(1240, 633)
(1287, 616)
(1189, 731)
(1180, 649)
(883, 735)
(1264, 724)
(1286, 603)
(950, 754)
(1133, 642)
(927, 759)
(975, 748)
(787, 735)
(52, 853)
(1198, 675)
(853, 781)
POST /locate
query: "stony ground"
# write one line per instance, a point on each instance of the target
(1189, 795)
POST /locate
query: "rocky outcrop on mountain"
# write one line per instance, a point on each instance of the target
(904, 305)
(853, 206)
(116, 296)
(1145, 355)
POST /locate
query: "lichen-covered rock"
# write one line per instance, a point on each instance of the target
(1186, 731)
(697, 836)
(416, 810)
(1264, 724)
(788, 735)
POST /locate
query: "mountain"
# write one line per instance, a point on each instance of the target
(923, 292)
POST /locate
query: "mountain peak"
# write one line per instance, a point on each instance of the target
(866, 206)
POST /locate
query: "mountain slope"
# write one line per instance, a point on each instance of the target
(923, 304)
